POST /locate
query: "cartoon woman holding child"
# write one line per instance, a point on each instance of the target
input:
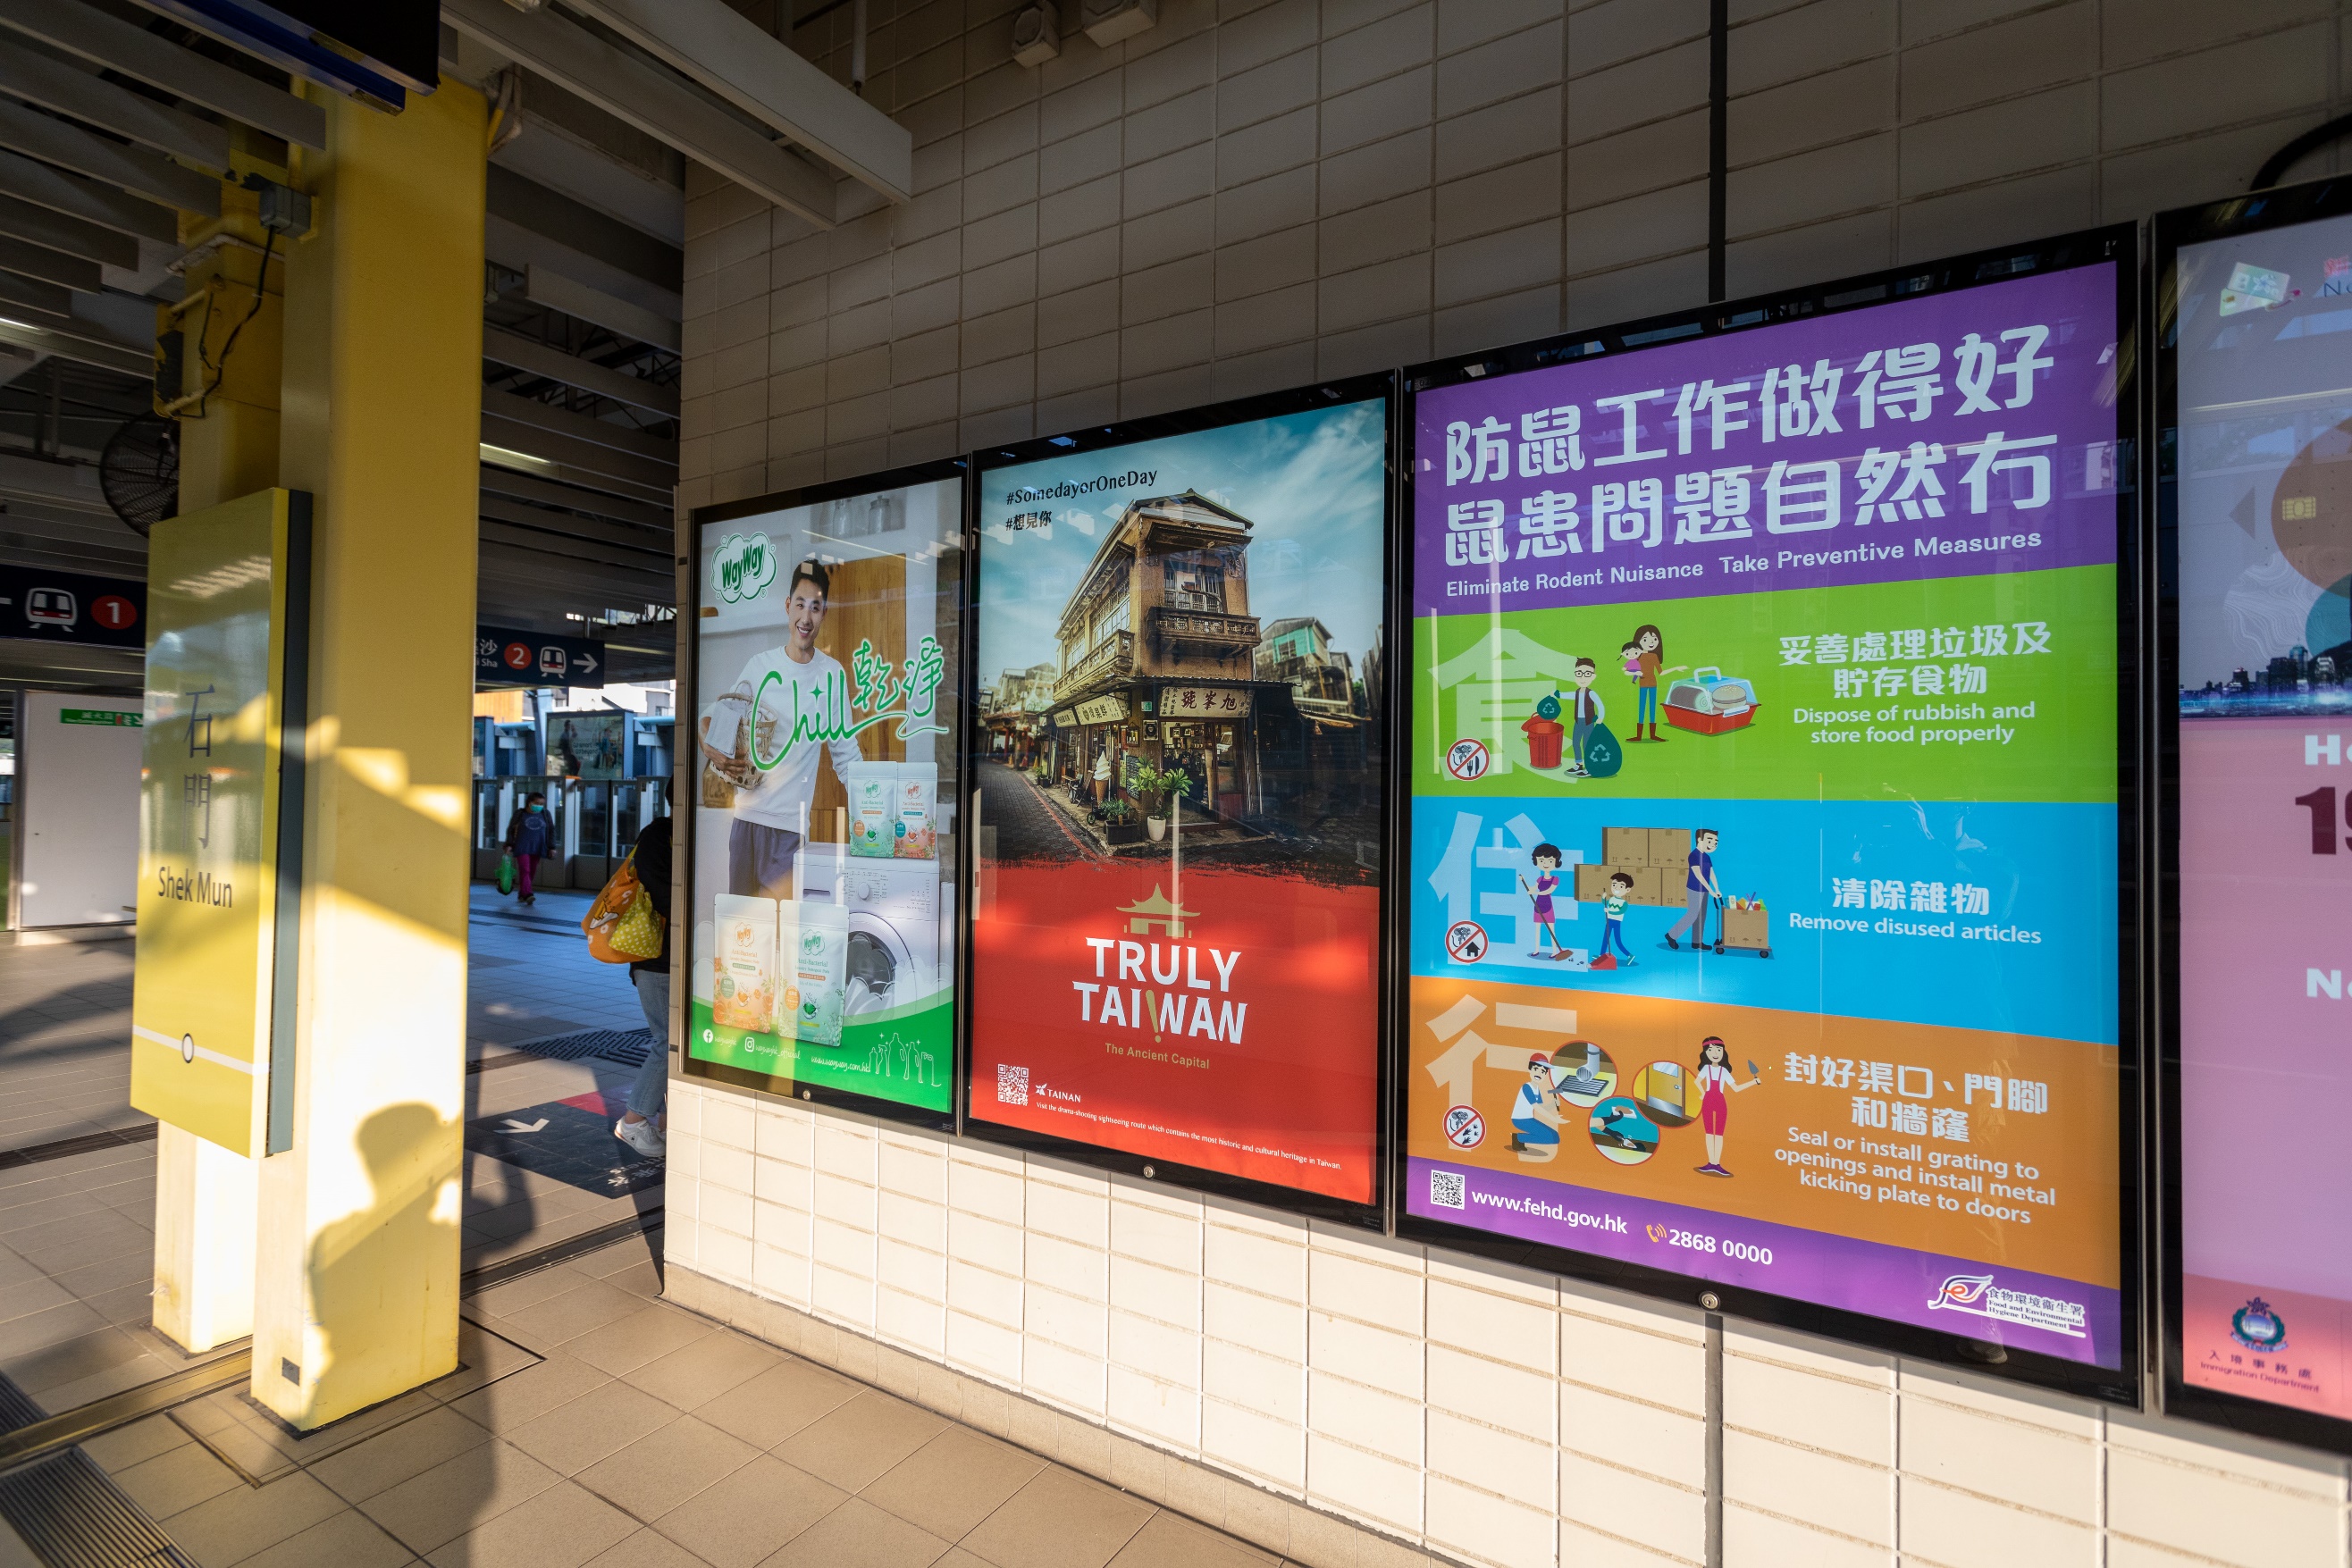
(1546, 858)
(1716, 1085)
(1645, 660)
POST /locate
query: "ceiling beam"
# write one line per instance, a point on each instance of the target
(21, 294)
(619, 536)
(68, 90)
(593, 461)
(716, 44)
(597, 307)
(571, 547)
(580, 426)
(141, 172)
(66, 345)
(511, 349)
(642, 95)
(524, 487)
(49, 265)
(579, 226)
(73, 484)
(86, 199)
(83, 30)
(43, 225)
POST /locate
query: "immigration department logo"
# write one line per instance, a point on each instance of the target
(2257, 1325)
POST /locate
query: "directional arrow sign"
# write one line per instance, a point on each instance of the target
(514, 1126)
(504, 656)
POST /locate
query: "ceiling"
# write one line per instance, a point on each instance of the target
(116, 116)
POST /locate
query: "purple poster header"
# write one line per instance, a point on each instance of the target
(1951, 435)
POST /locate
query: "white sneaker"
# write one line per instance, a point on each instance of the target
(641, 1137)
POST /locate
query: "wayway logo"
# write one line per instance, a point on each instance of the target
(742, 567)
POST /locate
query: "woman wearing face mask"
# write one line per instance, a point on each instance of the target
(530, 837)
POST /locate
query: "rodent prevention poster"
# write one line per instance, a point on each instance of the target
(1175, 946)
(1764, 908)
(822, 883)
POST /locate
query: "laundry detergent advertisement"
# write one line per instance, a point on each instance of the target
(1764, 911)
(1178, 815)
(822, 881)
(2264, 508)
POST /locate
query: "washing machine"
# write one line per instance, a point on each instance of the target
(896, 920)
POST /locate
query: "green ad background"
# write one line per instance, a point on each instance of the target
(867, 1061)
(2067, 751)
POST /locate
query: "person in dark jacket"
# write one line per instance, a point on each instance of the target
(643, 1124)
(530, 837)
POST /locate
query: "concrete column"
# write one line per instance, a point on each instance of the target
(230, 321)
(356, 1295)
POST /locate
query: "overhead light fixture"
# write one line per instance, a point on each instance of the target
(522, 461)
(1036, 35)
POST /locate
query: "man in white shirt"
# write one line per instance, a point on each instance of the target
(793, 690)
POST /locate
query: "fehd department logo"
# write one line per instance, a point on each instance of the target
(2257, 1325)
(1977, 1295)
(1963, 1291)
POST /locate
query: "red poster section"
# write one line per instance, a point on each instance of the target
(1228, 1020)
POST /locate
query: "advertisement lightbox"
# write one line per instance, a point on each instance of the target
(823, 710)
(2254, 413)
(1769, 695)
(1179, 824)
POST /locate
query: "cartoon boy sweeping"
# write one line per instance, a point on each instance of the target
(1546, 858)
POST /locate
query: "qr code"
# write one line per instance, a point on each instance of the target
(1447, 1189)
(1012, 1085)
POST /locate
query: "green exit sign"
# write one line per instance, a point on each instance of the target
(105, 716)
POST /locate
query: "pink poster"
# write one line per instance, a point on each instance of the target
(2266, 1239)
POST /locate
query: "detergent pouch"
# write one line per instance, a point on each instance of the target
(873, 807)
(814, 953)
(918, 784)
(743, 945)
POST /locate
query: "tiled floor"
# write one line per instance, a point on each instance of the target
(65, 1033)
(593, 1422)
(77, 1233)
(643, 1434)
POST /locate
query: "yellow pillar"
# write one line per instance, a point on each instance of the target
(229, 320)
(356, 1294)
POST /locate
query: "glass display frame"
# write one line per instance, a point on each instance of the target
(950, 557)
(1371, 1213)
(2117, 246)
(2171, 231)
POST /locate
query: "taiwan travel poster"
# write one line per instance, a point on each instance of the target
(1764, 762)
(1179, 818)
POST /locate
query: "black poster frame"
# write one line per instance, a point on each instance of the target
(1371, 1214)
(2171, 231)
(685, 811)
(2117, 245)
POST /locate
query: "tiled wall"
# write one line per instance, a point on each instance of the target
(1259, 192)
(1488, 1415)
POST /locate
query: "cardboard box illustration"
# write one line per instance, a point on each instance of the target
(1625, 846)
(1649, 884)
(1592, 883)
(1670, 848)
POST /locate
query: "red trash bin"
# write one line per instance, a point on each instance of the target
(1543, 742)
